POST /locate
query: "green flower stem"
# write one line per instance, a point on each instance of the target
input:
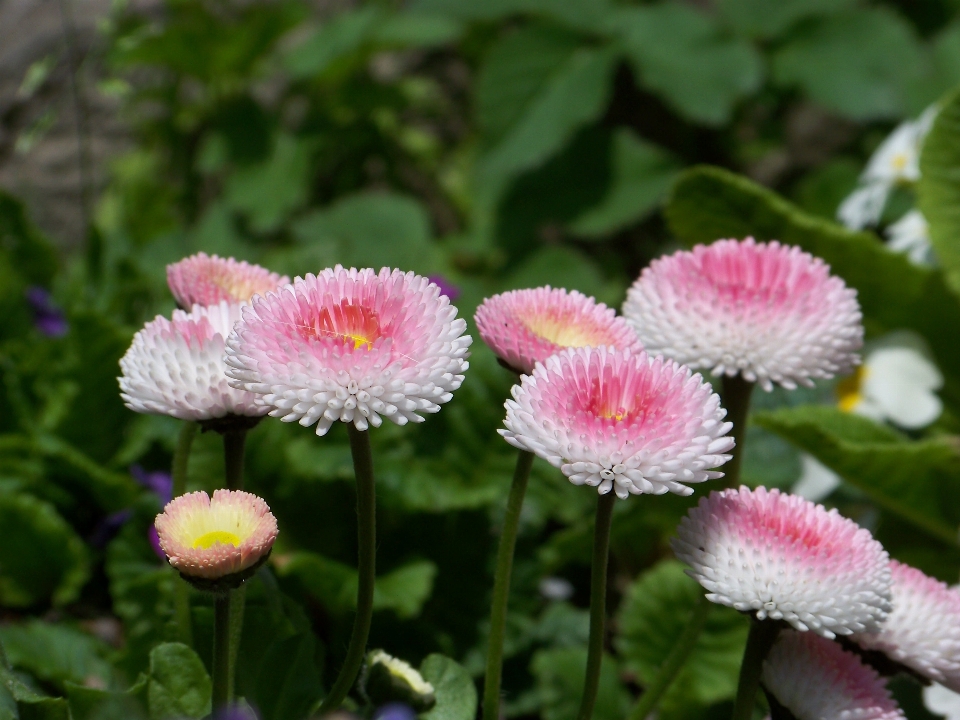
(762, 635)
(233, 445)
(222, 667)
(667, 673)
(598, 602)
(501, 586)
(736, 399)
(366, 567)
(181, 590)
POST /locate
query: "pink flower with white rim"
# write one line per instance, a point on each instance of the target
(350, 345)
(176, 367)
(621, 421)
(770, 312)
(203, 279)
(524, 327)
(816, 679)
(224, 537)
(923, 631)
(781, 557)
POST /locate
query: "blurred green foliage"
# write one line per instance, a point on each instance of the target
(500, 144)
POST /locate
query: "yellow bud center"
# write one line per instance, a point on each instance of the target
(359, 341)
(223, 537)
(899, 161)
(848, 390)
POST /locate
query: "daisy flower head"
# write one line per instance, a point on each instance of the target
(217, 542)
(350, 345)
(816, 679)
(770, 312)
(620, 421)
(176, 367)
(781, 557)
(203, 279)
(524, 327)
(923, 631)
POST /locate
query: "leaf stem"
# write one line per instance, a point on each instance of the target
(668, 671)
(366, 568)
(181, 590)
(762, 635)
(598, 602)
(222, 666)
(736, 399)
(501, 586)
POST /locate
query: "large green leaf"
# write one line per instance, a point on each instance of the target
(654, 613)
(559, 674)
(938, 191)
(682, 55)
(56, 654)
(179, 686)
(913, 479)
(859, 64)
(579, 14)
(41, 557)
(454, 689)
(88, 703)
(343, 35)
(20, 702)
(709, 203)
(764, 19)
(289, 682)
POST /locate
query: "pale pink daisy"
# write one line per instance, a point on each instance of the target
(781, 557)
(620, 421)
(524, 327)
(212, 538)
(770, 312)
(203, 279)
(923, 631)
(816, 679)
(350, 345)
(176, 367)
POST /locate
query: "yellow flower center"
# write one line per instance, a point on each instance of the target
(562, 332)
(359, 341)
(899, 161)
(849, 393)
(223, 537)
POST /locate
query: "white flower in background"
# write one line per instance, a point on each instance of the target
(911, 235)
(896, 161)
(941, 701)
(897, 384)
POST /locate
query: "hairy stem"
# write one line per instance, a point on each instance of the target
(667, 673)
(598, 602)
(222, 665)
(762, 635)
(366, 567)
(501, 586)
(736, 399)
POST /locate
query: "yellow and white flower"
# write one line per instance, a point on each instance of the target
(911, 235)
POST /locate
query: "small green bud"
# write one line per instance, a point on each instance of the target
(388, 679)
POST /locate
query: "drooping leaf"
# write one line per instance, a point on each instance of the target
(454, 689)
(41, 558)
(179, 686)
(708, 203)
(24, 703)
(559, 673)
(683, 56)
(654, 613)
(913, 479)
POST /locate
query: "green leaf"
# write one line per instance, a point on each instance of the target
(709, 203)
(453, 687)
(371, 230)
(418, 30)
(913, 479)
(938, 190)
(578, 14)
(654, 613)
(179, 686)
(41, 558)
(24, 245)
(342, 36)
(56, 654)
(642, 174)
(406, 589)
(763, 19)
(680, 54)
(29, 704)
(289, 681)
(92, 704)
(559, 675)
(567, 268)
(267, 193)
(859, 64)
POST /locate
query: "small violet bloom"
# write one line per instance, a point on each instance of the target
(158, 481)
(395, 711)
(48, 319)
(446, 287)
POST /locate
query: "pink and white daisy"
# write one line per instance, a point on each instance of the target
(923, 631)
(781, 557)
(203, 279)
(524, 327)
(212, 538)
(816, 679)
(350, 345)
(620, 421)
(770, 312)
(176, 367)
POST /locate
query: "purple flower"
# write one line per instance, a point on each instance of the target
(235, 712)
(48, 319)
(154, 539)
(446, 287)
(108, 528)
(158, 481)
(395, 711)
